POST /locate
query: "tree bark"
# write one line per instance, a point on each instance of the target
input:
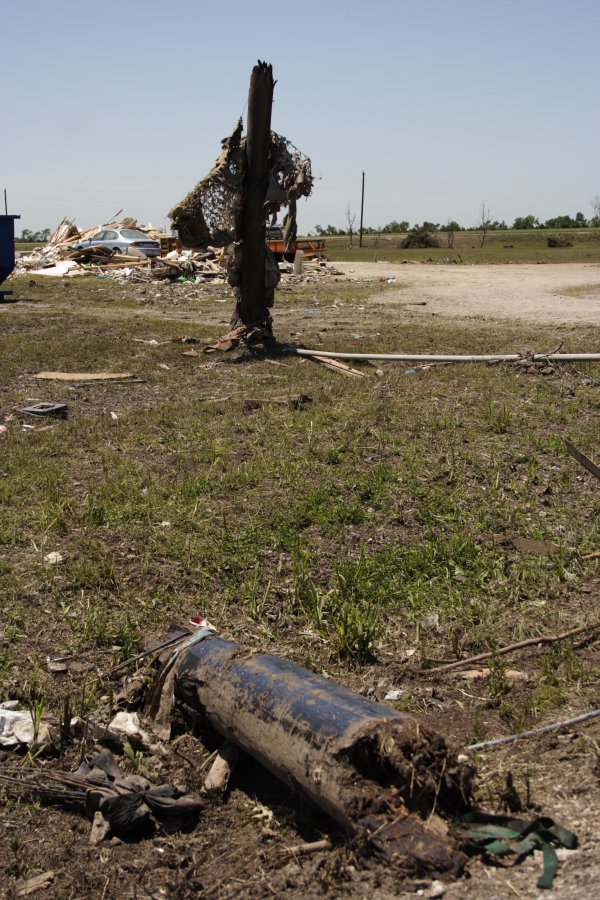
(251, 306)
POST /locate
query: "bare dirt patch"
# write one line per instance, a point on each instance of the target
(560, 294)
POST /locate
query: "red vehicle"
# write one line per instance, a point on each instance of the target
(311, 246)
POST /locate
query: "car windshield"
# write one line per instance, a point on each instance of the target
(134, 234)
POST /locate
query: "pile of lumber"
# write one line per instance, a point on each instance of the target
(60, 258)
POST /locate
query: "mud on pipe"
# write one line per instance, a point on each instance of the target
(382, 775)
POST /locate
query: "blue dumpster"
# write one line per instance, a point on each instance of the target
(7, 249)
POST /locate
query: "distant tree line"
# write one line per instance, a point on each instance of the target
(34, 237)
(521, 223)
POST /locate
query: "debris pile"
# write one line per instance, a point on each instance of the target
(62, 257)
(532, 364)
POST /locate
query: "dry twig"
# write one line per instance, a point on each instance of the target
(512, 648)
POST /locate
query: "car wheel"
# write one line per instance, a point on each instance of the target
(117, 250)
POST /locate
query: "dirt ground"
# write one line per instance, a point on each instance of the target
(565, 294)
(241, 848)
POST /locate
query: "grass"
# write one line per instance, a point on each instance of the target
(339, 535)
(24, 246)
(499, 247)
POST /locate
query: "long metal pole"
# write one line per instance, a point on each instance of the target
(362, 207)
(457, 358)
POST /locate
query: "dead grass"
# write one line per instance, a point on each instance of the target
(582, 291)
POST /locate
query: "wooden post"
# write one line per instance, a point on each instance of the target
(251, 308)
(299, 262)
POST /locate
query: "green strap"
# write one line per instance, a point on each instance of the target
(489, 832)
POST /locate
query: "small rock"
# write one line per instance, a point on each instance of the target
(100, 828)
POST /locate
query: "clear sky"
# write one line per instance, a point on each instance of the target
(444, 104)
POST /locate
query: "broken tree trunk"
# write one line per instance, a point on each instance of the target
(251, 307)
(381, 774)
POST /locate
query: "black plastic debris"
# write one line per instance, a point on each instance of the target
(52, 410)
(131, 806)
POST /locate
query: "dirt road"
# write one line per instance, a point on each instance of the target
(567, 293)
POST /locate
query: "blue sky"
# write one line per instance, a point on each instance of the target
(444, 104)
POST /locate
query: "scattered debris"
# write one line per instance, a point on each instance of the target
(394, 695)
(52, 559)
(131, 805)
(529, 545)
(308, 848)
(337, 366)
(59, 258)
(249, 335)
(52, 410)
(19, 729)
(502, 836)
(300, 401)
(531, 363)
(27, 886)
(220, 772)
(126, 725)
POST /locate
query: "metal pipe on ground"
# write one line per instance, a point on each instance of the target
(455, 358)
(381, 774)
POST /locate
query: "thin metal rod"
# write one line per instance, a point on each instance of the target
(556, 726)
(458, 358)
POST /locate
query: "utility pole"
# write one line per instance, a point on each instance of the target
(362, 207)
(251, 308)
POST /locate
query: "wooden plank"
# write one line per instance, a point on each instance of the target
(336, 366)
(81, 376)
(584, 460)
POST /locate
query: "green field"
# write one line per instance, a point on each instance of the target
(25, 246)
(499, 247)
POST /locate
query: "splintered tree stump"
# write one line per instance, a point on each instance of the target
(381, 774)
(253, 178)
(251, 307)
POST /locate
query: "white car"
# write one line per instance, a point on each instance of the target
(120, 240)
